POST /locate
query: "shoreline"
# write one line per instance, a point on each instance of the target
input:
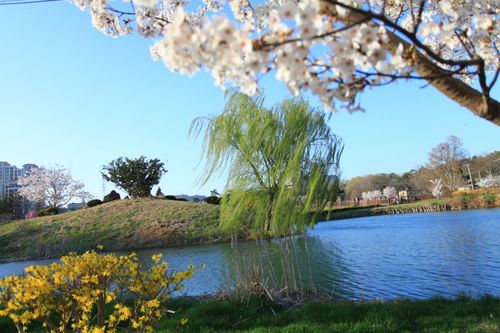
(427, 206)
(343, 214)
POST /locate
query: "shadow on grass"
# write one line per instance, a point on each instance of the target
(436, 315)
(256, 315)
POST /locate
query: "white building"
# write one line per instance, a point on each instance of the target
(9, 187)
(8, 177)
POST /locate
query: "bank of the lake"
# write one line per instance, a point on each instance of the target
(259, 316)
(423, 206)
(385, 257)
(150, 223)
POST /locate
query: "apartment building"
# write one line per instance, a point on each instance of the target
(9, 175)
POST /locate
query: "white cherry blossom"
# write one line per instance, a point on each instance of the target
(53, 186)
(334, 49)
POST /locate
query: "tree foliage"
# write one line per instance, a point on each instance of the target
(135, 176)
(111, 196)
(159, 193)
(447, 160)
(355, 186)
(10, 207)
(279, 161)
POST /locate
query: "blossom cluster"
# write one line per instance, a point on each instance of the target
(437, 188)
(52, 186)
(390, 192)
(332, 49)
(78, 291)
(372, 195)
(489, 181)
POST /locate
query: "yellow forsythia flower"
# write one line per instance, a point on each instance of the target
(80, 285)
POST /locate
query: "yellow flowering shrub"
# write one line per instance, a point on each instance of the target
(91, 293)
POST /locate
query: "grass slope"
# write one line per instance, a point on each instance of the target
(118, 225)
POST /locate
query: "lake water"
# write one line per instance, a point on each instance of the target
(382, 257)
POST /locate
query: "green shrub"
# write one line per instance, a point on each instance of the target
(112, 196)
(170, 197)
(490, 198)
(181, 199)
(48, 211)
(213, 200)
(93, 203)
(466, 200)
(159, 193)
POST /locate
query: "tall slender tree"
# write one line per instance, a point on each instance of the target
(446, 159)
(280, 159)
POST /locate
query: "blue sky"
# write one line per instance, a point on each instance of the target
(74, 97)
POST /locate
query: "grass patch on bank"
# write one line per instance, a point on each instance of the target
(258, 316)
(118, 225)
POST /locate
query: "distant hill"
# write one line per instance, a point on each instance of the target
(191, 198)
(117, 225)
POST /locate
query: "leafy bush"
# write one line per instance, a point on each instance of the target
(490, 198)
(473, 201)
(91, 292)
(457, 203)
(48, 211)
(213, 200)
(181, 199)
(112, 196)
(93, 203)
(170, 197)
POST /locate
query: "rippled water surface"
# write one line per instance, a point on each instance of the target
(383, 257)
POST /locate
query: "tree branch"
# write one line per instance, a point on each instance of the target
(479, 103)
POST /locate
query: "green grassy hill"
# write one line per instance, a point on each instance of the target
(118, 225)
(149, 223)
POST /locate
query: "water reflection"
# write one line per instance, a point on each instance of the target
(414, 255)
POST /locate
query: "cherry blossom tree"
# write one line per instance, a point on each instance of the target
(334, 49)
(53, 186)
(372, 195)
(437, 189)
(390, 192)
(489, 181)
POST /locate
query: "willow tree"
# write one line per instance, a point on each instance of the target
(282, 162)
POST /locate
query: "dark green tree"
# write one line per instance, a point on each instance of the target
(10, 207)
(281, 161)
(135, 176)
(159, 193)
(111, 196)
